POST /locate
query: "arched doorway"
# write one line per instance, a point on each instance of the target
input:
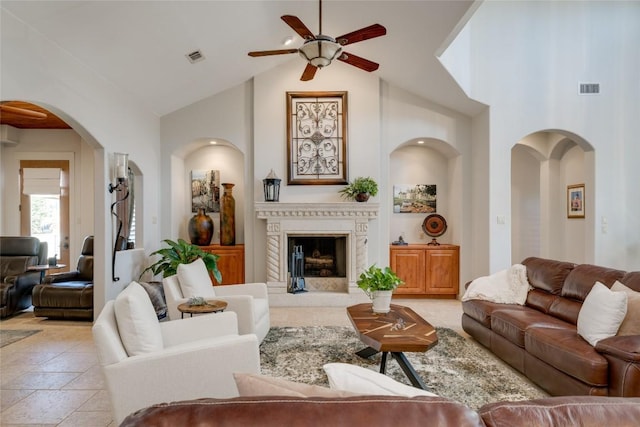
(544, 165)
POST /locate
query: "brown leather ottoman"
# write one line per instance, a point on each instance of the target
(64, 300)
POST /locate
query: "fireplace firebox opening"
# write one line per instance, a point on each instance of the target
(324, 256)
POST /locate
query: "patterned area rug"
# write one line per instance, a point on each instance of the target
(455, 368)
(14, 335)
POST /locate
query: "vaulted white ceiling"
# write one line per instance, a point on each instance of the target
(140, 46)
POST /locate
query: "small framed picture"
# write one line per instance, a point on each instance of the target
(575, 201)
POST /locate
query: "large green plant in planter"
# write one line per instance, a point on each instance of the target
(181, 252)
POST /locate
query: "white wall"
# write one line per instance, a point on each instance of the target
(36, 70)
(525, 204)
(527, 59)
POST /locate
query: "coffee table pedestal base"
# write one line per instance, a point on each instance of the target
(402, 360)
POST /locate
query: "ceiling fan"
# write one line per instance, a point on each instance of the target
(319, 50)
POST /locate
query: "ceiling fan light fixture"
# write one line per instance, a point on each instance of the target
(320, 51)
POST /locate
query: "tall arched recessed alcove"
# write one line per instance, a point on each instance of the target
(203, 155)
(432, 162)
(543, 166)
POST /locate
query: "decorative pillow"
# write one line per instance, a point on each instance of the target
(601, 314)
(156, 294)
(262, 385)
(194, 280)
(363, 381)
(137, 321)
(631, 323)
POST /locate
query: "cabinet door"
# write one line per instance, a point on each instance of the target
(409, 265)
(442, 275)
(230, 263)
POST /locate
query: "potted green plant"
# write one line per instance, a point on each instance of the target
(181, 252)
(379, 284)
(360, 189)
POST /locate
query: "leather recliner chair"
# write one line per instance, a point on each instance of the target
(17, 254)
(68, 295)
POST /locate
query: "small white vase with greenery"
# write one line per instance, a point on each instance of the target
(379, 284)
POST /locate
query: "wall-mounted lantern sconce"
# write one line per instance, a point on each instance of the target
(121, 173)
(271, 187)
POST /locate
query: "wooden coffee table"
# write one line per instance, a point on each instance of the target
(212, 306)
(395, 332)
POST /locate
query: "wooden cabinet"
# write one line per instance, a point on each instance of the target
(230, 263)
(428, 271)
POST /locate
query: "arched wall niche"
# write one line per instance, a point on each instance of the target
(203, 154)
(543, 165)
(433, 162)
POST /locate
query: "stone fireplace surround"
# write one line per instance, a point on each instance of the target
(331, 219)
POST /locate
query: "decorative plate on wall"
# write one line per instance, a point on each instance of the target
(434, 225)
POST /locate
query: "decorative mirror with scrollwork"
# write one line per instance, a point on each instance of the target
(317, 138)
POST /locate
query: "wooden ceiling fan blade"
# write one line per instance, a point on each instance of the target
(36, 115)
(356, 61)
(366, 33)
(272, 52)
(309, 73)
(298, 26)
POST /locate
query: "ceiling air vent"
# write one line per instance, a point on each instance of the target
(195, 56)
(589, 89)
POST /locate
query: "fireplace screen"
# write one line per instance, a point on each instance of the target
(324, 256)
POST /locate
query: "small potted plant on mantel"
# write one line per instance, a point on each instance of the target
(360, 189)
(181, 252)
(379, 284)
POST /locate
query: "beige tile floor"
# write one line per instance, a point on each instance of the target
(53, 378)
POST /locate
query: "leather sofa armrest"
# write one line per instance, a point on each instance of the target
(29, 278)
(66, 276)
(622, 347)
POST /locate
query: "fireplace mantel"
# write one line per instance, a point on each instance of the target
(268, 210)
(284, 219)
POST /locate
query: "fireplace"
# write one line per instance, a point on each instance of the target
(326, 230)
(323, 256)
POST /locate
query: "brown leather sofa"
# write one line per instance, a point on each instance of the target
(68, 295)
(16, 283)
(540, 339)
(274, 411)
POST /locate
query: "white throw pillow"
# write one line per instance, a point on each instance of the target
(601, 314)
(631, 323)
(194, 280)
(137, 321)
(356, 379)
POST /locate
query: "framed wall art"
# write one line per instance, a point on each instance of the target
(317, 138)
(205, 190)
(575, 201)
(414, 198)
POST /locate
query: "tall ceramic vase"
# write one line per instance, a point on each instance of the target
(228, 216)
(201, 228)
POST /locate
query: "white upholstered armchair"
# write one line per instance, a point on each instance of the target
(146, 362)
(250, 301)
